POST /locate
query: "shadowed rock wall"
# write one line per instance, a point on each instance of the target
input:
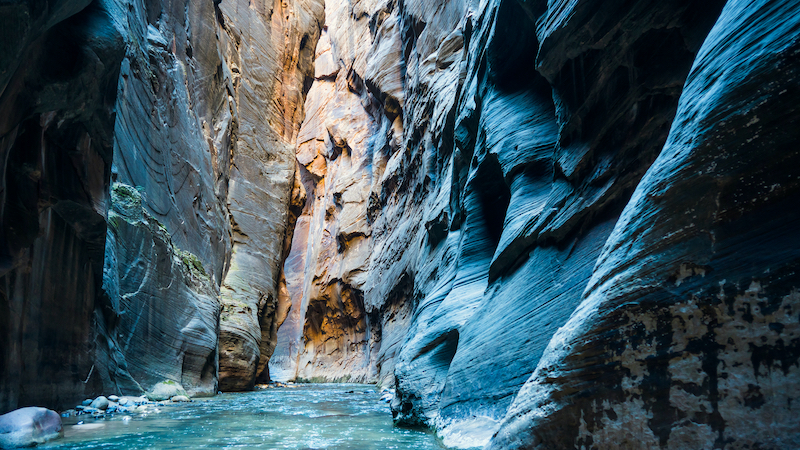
(686, 334)
(59, 65)
(160, 313)
(123, 271)
(467, 166)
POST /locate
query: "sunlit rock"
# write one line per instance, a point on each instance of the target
(166, 390)
(269, 51)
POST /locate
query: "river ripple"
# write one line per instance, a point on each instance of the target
(301, 417)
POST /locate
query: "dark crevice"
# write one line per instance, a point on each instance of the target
(494, 196)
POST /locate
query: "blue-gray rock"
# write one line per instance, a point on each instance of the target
(27, 427)
(100, 97)
(450, 244)
(100, 403)
(443, 251)
(568, 223)
(211, 160)
(682, 337)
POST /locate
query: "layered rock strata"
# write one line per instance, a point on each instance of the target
(59, 65)
(464, 205)
(210, 102)
(167, 235)
(347, 137)
(686, 334)
(149, 336)
(128, 270)
(546, 224)
(269, 49)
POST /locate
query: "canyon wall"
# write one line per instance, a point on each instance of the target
(686, 335)
(149, 151)
(59, 65)
(546, 224)
(479, 232)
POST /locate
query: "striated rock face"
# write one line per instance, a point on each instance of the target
(214, 169)
(539, 200)
(467, 203)
(59, 64)
(347, 136)
(547, 224)
(142, 264)
(269, 52)
(167, 235)
(162, 262)
(685, 335)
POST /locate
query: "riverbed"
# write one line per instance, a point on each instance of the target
(301, 417)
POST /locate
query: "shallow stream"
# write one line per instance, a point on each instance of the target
(303, 416)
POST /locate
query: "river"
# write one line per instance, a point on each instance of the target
(302, 416)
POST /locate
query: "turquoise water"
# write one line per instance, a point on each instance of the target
(304, 416)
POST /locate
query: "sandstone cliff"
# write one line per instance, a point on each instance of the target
(59, 65)
(546, 224)
(149, 153)
(478, 219)
(686, 332)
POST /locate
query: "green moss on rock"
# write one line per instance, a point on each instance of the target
(192, 262)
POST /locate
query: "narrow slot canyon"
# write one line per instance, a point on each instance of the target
(410, 224)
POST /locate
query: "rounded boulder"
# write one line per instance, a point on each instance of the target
(27, 427)
(100, 403)
(165, 390)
